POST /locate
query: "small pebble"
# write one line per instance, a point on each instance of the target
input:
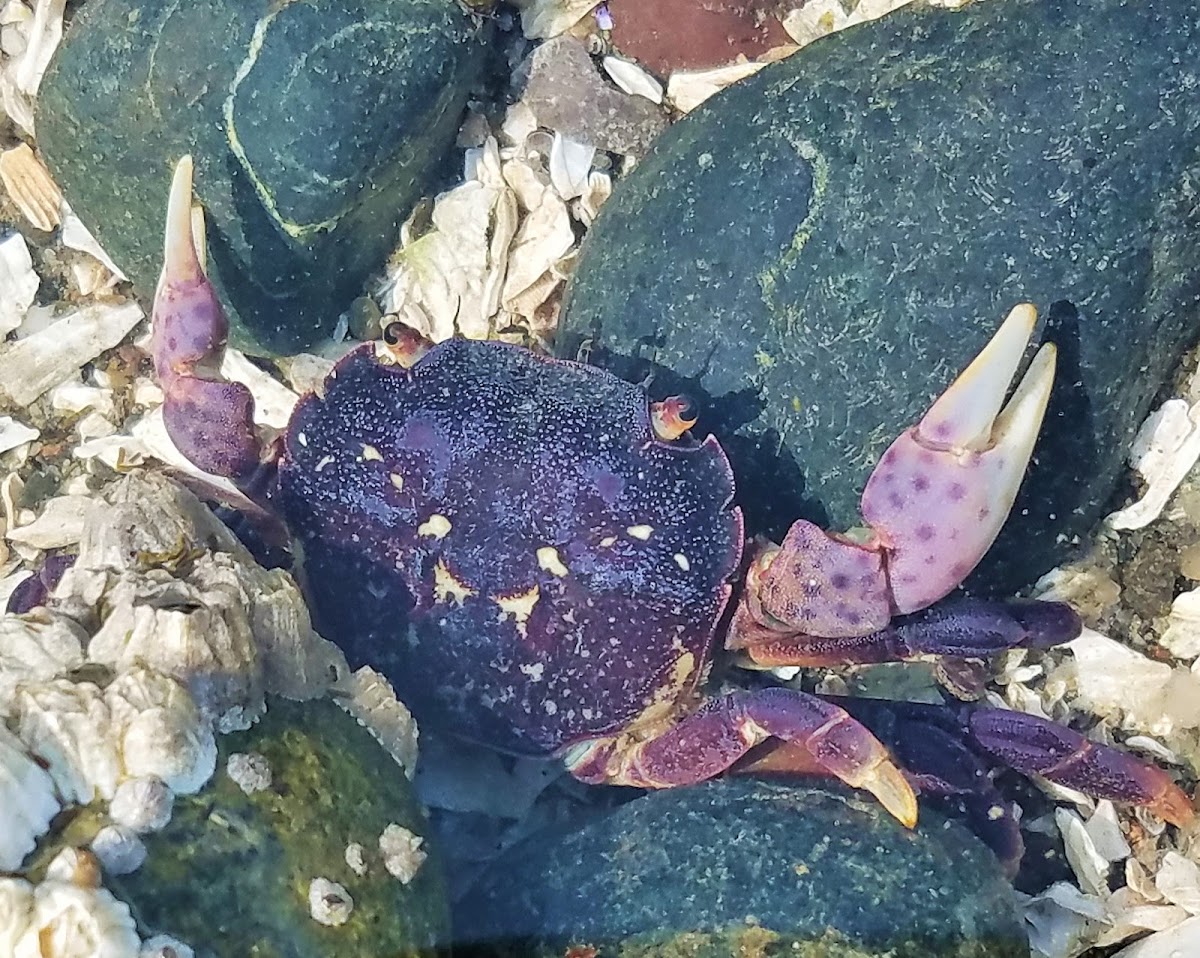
(356, 858)
(142, 804)
(328, 902)
(250, 772)
(119, 849)
(402, 855)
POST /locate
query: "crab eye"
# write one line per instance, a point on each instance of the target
(673, 417)
(403, 343)
(393, 333)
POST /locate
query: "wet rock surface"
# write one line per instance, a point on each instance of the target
(231, 873)
(314, 128)
(818, 250)
(748, 868)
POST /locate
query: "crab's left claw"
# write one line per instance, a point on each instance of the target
(935, 503)
(940, 495)
(209, 420)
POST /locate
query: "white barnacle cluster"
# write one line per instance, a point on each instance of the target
(164, 633)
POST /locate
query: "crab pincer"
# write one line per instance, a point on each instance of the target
(209, 419)
(935, 503)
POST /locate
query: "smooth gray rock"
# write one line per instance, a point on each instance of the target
(314, 126)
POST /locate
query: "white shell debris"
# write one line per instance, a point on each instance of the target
(119, 850)
(14, 434)
(402, 854)
(1182, 941)
(329, 903)
(543, 19)
(1119, 683)
(35, 648)
(62, 920)
(1182, 635)
(199, 607)
(501, 244)
(35, 364)
(31, 187)
(819, 18)
(18, 282)
(78, 237)
(22, 75)
(249, 771)
(633, 79)
(61, 523)
(142, 804)
(1164, 451)
(28, 800)
(687, 89)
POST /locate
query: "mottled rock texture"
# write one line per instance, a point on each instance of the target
(818, 250)
(741, 867)
(314, 127)
(230, 874)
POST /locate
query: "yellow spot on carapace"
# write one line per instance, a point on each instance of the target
(446, 585)
(608, 541)
(797, 406)
(519, 606)
(640, 532)
(436, 525)
(764, 359)
(397, 481)
(370, 452)
(682, 561)
(548, 560)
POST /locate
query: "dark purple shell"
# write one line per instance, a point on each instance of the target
(503, 536)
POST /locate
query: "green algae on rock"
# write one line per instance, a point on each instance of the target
(231, 873)
(314, 126)
(744, 867)
(817, 250)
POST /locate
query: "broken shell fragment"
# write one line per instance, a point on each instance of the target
(18, 282)
(31, 187)
(633, 79)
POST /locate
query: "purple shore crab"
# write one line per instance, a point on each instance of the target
(544, 561)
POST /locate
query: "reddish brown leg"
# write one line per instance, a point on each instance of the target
(710, 740)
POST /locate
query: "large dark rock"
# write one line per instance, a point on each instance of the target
(739, 867)
(314, 124)
(818, 250)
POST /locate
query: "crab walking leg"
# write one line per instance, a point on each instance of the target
(1035, 746)
(707, 742)
(209, 420)
(935, 503)
(965, 629)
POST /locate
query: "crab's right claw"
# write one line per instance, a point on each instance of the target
(943, 490)
(209, 420)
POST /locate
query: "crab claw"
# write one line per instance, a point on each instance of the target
(935, 503)
(209, 420)
(943, 490)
